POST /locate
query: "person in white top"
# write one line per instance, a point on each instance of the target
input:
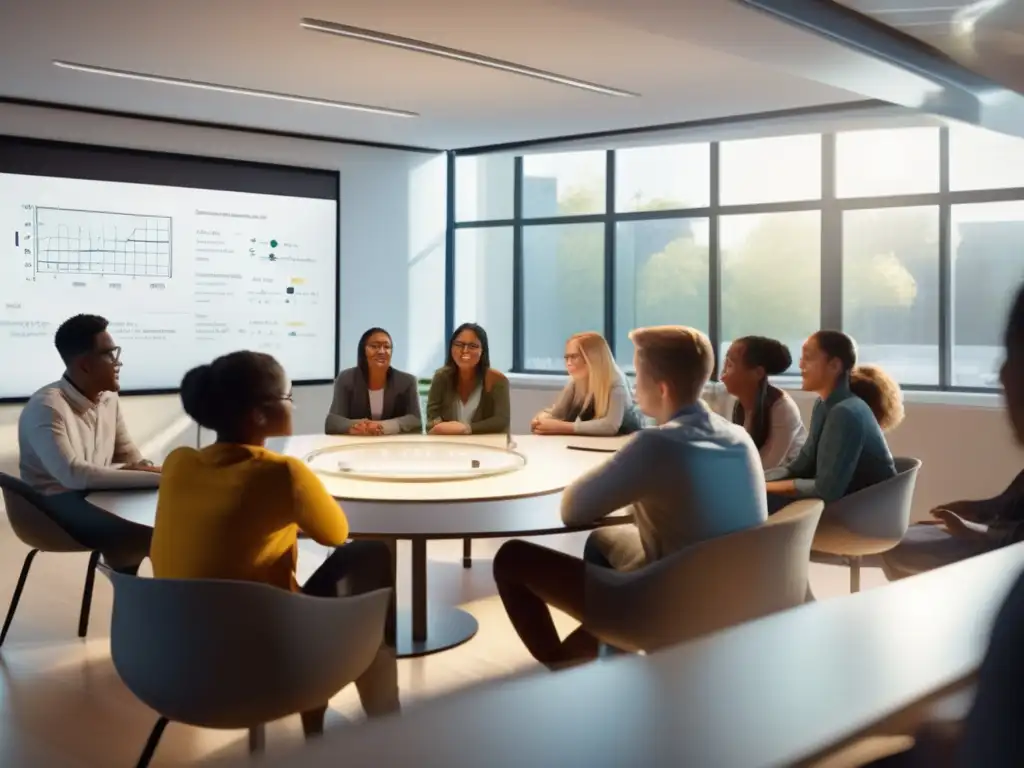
(72, 439)
(597, 400)
(770, 415)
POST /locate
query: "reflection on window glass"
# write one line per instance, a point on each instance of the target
(770, 170)
(483, 287)
(771, 277)
(987, 270)
(484, 187)
(663, 178)
(891, 289)
(563, 289)
(982, 159)
(893, 161)
(661, 277)
(565, 184)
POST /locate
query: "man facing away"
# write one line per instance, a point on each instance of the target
(73, 440)
(695, 476)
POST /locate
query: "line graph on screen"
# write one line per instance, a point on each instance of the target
(86, 242)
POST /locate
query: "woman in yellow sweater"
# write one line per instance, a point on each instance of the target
(233, 510)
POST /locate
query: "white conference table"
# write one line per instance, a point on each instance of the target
(786, 690)
(524, 502)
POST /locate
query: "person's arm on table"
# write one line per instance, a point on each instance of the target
(785, 427)
(609, 424)
(616, 484)
(126, 452)
(48, 435)
(316, 512)
(499, 422)
(338, 422)
(803, 465)
(435, 398)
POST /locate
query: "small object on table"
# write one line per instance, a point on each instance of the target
(590, 449)
(476, 464)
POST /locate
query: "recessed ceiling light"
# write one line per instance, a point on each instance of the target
(93, 70)
(409, 44)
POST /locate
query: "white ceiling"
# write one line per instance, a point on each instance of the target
(695, 63)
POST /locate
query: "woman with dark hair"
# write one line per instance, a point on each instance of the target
(233, 510)
(374, 398)
(845, 450)
(767, 413)
(466, 395)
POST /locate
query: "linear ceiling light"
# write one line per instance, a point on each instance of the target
(409, 44)
(230, 89)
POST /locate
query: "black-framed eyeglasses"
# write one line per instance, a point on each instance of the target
(113, 354)
(472, 346)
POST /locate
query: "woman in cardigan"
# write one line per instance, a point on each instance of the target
(767, 413)
(373, 398)
(845, 450)
(597, 400)
(466, 395)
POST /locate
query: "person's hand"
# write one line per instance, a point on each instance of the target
(552, 427)
(142, 467)
(359, 428)
(449, 428)
(954, 525)
(374, 428)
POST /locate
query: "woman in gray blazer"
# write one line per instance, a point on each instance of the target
(373, 398)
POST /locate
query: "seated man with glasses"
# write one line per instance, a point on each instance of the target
(73, 440)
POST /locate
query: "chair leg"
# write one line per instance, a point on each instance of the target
(151, 743)
(17, 594)
(854, 574)
(467, 553)
(257, 739)
(90, 579)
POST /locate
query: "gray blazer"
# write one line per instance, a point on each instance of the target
(351, 403)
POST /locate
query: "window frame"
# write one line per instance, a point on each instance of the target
(830, 206)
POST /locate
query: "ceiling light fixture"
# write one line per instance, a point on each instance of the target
(419, 46)
(93, 70)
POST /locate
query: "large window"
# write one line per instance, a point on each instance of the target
(771, 277)
(563, 286)
(661, 277)
(891, 289)
(483, 279)
(907, 238)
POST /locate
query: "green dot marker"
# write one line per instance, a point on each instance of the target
(273, 243)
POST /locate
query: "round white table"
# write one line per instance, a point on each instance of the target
(524, 502)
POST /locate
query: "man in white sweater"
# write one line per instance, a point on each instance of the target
(694, 476)
(72, 440)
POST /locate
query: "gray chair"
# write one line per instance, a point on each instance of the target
(235, 654)
(27, 512)
(707, 587)
(868, 522)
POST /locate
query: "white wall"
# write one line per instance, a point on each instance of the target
(391, 232)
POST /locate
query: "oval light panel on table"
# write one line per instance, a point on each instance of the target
(397, 461)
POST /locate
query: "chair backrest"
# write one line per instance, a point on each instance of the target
(880, 512)
(26, 509)
(233, 654)
(710, 586)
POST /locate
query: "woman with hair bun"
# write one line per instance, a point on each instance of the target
(845, 449)
(233, 509)
(769, 415)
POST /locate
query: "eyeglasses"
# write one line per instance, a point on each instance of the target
(573, 357)
(379, 347)
(289, 397)
(113, 354)
(471, 346)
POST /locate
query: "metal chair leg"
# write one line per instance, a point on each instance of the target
(151, 743)
(17, 594)
(257, 739)
(854, 574)
(467, 553)
(90, 579)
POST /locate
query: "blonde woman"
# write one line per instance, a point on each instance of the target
(597, 400)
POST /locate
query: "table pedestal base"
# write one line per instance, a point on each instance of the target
(446, 628)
